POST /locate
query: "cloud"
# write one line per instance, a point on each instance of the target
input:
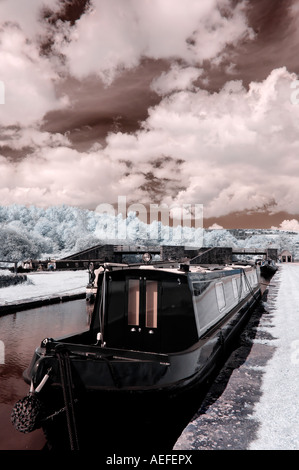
(114, 35)
(237, 148)
(288, 226)
(64, 175)
(176, 79)
(231, 151)
(31, 138)
(231, 148)
(29, 80)
(27, 17)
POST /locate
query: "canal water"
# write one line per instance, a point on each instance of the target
(21, 333)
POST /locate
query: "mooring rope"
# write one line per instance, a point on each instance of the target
(256, 298)
(67, 388)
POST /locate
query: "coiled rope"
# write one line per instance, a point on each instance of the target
(256, 297)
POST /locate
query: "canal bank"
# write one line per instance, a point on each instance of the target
(43, 288)
(29, 304)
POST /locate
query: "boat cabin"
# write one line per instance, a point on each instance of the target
(166, 310)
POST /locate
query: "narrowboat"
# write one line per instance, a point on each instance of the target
(268, 268)
(156, 334)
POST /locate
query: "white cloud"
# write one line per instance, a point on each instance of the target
(27, 16)
(239, 146)
(230, 151)
(176, 79)
(61, 175)
(114, 35)
(288, 226)
(31, 137)
(29, 80)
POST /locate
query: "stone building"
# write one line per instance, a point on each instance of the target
(286, 257)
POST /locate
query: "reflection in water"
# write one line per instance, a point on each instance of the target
(21, 333)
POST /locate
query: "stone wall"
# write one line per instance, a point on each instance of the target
(177, 253)
(272, 254)
(169, 253)
(215, 255)
(102, 252)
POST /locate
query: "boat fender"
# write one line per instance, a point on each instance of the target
(28, 412)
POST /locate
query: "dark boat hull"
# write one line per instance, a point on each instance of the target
(268, 270)
(147, 408)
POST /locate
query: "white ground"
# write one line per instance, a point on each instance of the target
(278, 411)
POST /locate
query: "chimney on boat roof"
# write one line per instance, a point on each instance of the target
(185, 268)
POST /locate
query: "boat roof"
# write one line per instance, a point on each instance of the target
(181, 268)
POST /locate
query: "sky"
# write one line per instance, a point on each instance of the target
(159, 101)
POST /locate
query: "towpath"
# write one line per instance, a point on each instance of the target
(253, 403)
(43, 288)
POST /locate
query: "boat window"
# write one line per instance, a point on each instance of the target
(235, 287)
(199, 287)
(177, 322)
(133, 302)
(220, 295)
(151, 304)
